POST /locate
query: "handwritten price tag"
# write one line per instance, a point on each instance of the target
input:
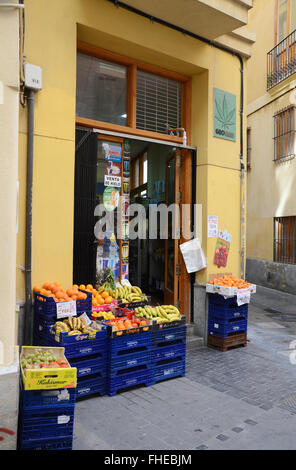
(66, 309)
(243, 296)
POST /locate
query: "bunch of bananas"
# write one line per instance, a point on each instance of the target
(128, 294)
(162, 314)
(106, 287)
(73, 326)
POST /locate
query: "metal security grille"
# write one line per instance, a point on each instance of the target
(285, 240)
(158, 103)
(284, 133)
(84, 249)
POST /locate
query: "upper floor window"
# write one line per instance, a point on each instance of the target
(118, 90)
(286, 18)
(158, 103)
(284, 134)
(101, 90)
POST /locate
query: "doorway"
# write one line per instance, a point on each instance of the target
(150, 174)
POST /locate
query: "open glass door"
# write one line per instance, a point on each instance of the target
(173, 171)
(109, 189)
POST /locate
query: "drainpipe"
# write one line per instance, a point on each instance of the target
(154, 19)
(28, 327)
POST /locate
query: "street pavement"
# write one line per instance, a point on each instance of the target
(242, 399)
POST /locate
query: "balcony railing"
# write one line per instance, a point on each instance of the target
(281, 61)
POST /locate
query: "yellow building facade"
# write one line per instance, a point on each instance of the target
(53, 30)
(271, 147)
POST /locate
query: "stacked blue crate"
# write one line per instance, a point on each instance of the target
(46, 419)
(87, 354)
(129, 361)
(168, 353)
(225, 317)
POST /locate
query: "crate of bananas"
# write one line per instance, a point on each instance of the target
(66, 331)
(130, 296)
(163, 316)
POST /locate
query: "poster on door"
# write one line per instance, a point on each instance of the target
(112, 152)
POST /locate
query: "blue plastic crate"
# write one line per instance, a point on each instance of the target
(170, 336)
(218, 299)
(90, 385)
(224, 329)
(46, 423)
(170, 370)
(132, 379)
(75, 346)
(228, 312)
(46, 306)
(61, 443)
(35, 399)
(168, 352)
(89, 365)
(128, 363)
(134, 343)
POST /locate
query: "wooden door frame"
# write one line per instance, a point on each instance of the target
(174, 295)
(186, 191)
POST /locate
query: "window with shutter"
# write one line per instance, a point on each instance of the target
(158, 103)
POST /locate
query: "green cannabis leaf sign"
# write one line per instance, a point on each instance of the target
(224, 115)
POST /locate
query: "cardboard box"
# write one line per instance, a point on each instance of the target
(48, 378)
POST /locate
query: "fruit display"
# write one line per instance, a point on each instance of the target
(129, 294)
(230, 281)
(127, 323)
(161, 314)
(74, 326)
(56, 291)
(41, 358)
(100, 296)
(104, 315)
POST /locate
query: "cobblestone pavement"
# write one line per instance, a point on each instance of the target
(241, 399)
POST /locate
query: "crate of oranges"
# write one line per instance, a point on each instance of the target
(123, 326)
(51, 294)
(229, 286)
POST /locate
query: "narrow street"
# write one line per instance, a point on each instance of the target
(243, 399)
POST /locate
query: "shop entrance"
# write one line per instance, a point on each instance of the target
(153, 176)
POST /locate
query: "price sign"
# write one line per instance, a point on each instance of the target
(110, 180)
(243, 296)
(66, 309)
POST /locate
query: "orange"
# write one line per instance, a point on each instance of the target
(36, 289)
(104, 294)
(89, 286)
(108, 299)
(82, 286)
(59, 294)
